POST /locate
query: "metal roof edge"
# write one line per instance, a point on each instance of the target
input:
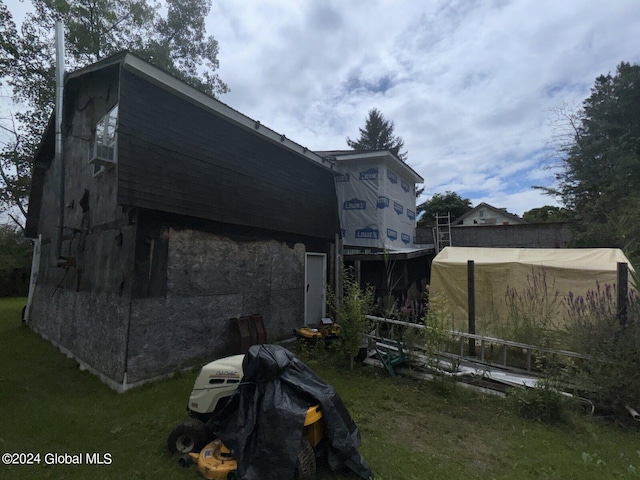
(385, 155)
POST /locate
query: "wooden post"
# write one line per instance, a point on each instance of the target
(623, 286)
(471, 295)
(405, 273)
(339, 269)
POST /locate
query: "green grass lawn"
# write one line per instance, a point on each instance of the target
(410, 430)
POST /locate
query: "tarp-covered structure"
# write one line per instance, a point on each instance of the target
(262, 422)
(496, 269)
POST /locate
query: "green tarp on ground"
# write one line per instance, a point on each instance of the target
(527, 270)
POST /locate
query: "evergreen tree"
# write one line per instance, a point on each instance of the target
(546, 214)
(600, 182)
(378, 135)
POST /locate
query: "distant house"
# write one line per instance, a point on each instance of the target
(178, 213)
(485, 214)
(502, 229)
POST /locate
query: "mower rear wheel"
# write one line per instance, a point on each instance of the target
(306, 464)
(188, 436)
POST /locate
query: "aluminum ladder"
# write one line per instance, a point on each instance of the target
(442, 234)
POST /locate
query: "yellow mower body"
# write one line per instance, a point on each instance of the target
(215, 461)
(327, 330)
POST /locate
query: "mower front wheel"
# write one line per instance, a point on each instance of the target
(188, 436)
(306, 464)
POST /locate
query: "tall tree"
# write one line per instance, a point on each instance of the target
(15, 250)
(600, 181)
(449, 202)
(377, 134)
(15, 258)
(546, 214)
(172, 37)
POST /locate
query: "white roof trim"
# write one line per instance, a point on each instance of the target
(382, 155)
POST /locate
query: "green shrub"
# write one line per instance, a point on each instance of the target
(437, 321)
(543, 403)
(351, 310)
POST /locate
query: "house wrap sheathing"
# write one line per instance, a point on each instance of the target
(496, 269)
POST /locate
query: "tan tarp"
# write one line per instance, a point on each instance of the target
(562, 270)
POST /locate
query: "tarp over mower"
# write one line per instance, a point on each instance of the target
(262, 424)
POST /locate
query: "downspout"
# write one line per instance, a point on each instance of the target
(35, 267)
(58, 129)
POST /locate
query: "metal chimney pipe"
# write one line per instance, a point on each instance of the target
(58, 123)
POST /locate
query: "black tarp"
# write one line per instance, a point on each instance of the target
(262, 423)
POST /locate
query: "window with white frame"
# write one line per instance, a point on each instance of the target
(103, 151)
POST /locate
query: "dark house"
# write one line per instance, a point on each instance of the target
(178, 213)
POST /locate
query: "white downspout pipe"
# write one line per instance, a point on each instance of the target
(58, 130)
(35, 267)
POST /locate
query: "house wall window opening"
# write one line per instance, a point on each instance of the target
(103, 151)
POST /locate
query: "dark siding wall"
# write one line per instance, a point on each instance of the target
(84, 308)
(152, 291)
(176, 157)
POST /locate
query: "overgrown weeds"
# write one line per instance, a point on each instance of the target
(532, 311)
(610, 376)
(437, 321)
(544, 402)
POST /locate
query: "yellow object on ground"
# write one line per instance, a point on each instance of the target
(215, 461)
(327, 331)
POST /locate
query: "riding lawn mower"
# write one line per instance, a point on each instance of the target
(264, 415)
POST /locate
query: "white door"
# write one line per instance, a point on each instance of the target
(314, 298)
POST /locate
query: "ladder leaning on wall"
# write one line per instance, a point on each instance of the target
(442, 233)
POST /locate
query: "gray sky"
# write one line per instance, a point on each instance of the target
(470, 85)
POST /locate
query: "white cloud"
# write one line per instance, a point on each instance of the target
(469, 85)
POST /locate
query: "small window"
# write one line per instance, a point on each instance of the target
(106, 128)
(103, 151)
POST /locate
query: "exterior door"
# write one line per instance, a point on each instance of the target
(315, 293)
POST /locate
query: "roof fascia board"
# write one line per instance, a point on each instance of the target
(94, 67)
(168, 82)
(385, 156)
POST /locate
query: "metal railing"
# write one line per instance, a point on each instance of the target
(484, 341)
